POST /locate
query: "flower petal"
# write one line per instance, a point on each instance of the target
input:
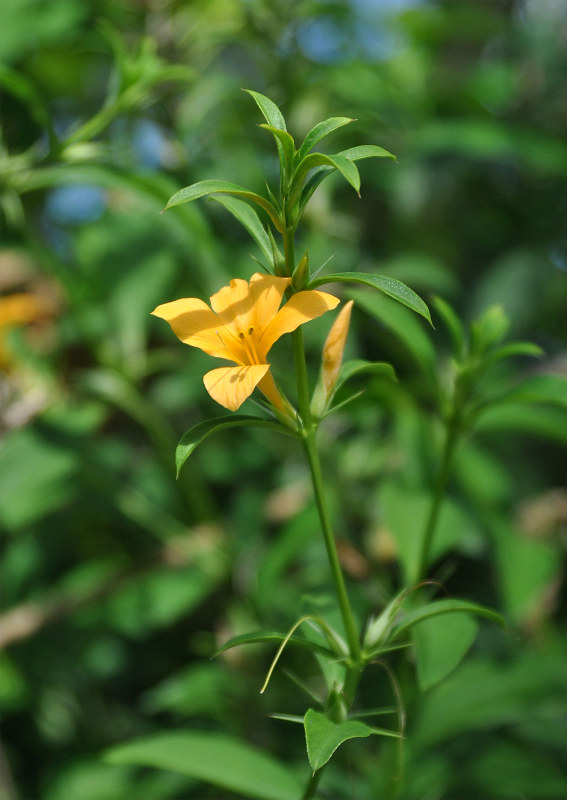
(231, 386)
(194, 323)
(301, 308)
(234, 306)
(267, 292)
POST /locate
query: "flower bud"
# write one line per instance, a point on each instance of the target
(333, 350)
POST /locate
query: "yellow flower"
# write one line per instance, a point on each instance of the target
(242, 326)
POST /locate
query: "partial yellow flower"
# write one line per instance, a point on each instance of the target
(242, 326)
(16, 310)
(334, 348)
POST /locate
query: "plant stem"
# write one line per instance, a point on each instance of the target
(451, 437)
(351, 631)
(311, 788)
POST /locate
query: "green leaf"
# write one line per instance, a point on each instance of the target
(514, 349)
(353, 154)
(319, 131)
(445, 607)
(269, 109)
(452, 323)
(250, 220)
(323, 737)
(440, 644)
(287, 144)
(344, 165)
(269, 637)
(390, 286)
(366, 151)
(202, 188)
(541, 389)
(350, 369)
(195, 435)
(213, 758)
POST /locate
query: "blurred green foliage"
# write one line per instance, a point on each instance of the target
(119, 582)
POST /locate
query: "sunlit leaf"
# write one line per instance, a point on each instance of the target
(390, 286)
(319, 131)
(202, 188)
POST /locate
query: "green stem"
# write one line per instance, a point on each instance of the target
(451, 437)
(351, 631)
(312, 786)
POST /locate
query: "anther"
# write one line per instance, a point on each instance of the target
(250, 330)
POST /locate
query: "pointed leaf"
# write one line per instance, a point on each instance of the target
(323, 736)
(202, 188)
(445, 607)
(246, 770)
(441, 644)
(353, 154)
(452, 323)
(357, 366)
(249, 219)
(344, 165)
(515, 349)
(321, 130)
(390, 286)
(541, 389)
(287, 144)
(192, 438)
(269, 109)
(269, 637)
(366, 151)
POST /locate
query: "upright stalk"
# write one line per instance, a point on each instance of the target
(351, 631)
(451, 437)
(309, 431)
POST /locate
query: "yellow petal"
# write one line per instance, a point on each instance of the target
(301, 308)
(334, 346)
(231, 386)
(234, 306)
(267, 292)
(194, 323)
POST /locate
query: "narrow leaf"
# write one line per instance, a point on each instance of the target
(452, 323)
(445, 607)
(286, 142)
(249, 219)
(390, 286)
(245, 770)
(269, 109)
(192, 438)
(319, 131)
(366, 151)
(344, 165)
(323, 737)
(357, 366)
(269, 637)
(202, 188)
(515, 349)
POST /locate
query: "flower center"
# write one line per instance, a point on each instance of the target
(247, 339)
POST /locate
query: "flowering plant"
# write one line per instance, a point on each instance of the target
(243, 322)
